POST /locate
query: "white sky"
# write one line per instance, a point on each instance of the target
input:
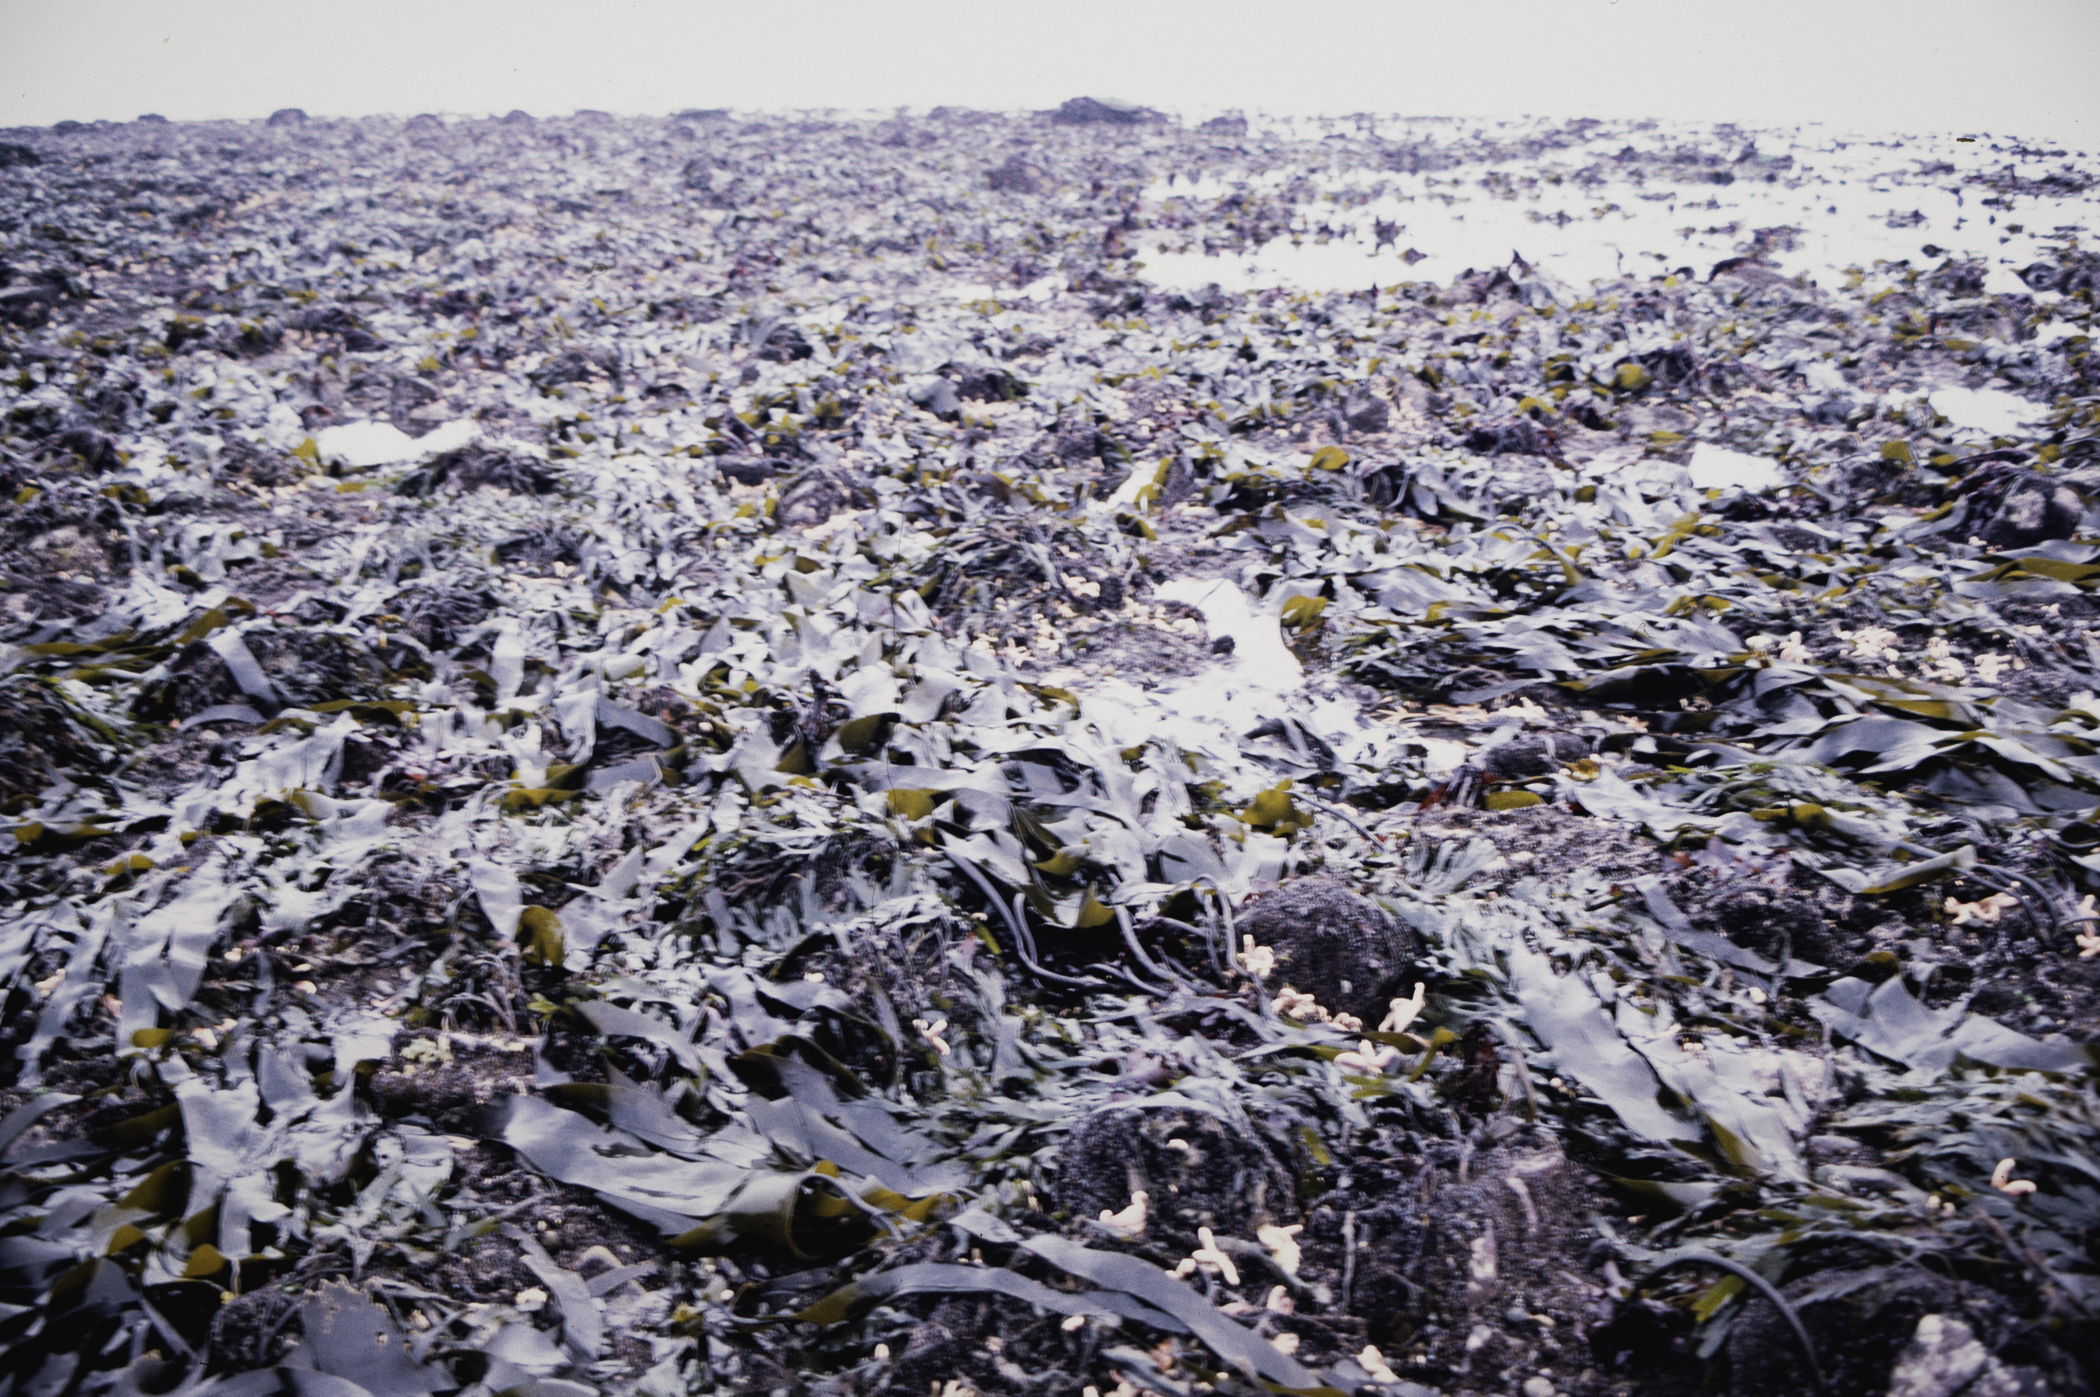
(2010, 67)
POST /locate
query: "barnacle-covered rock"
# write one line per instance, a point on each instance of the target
(1196, 1169)
(1347, 953)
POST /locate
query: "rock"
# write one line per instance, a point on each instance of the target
(1523, 758)
(471, 467)
(438, 616)
(749, 470)
(1016, 176)
(1640, 1333)
(288, 116)
(152, 119)
(1366, 413)
(938, 397)
(1472, 1249)
(984, 385)
(1089, 111)
(1080, 442)
(1945, 1357)
(1515, 436)
(517, 116)
(254, 1331)
(1346, 953)
(784, 344)
(1838, 1149)
(1215, 1177)
(13, 154)
(1672, 364)
(2032, 509)
(1224, 126)
(1772, 924)
(27, 306)
(812, 499)
(1859, 1321)
(95, 451)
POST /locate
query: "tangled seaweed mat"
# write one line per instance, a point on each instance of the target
(725, 755)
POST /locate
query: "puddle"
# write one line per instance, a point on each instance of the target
(1207, 711)
(1259, 656)
(1717, 468)
(363, 445)
(1991, 410)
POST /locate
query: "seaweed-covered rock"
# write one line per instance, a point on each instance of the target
(2031, 509)
(815, 496)
(1198, 1170)
(41, 740)
(1860, 1320)
(255, 1330)
(1016, 176)
(1366, 412)
(1772, 924)
(784, 344)
(439, 615)
(264, 666)
(473, 467)
(1476, 1244)
(1538, 754)
(1348, 954)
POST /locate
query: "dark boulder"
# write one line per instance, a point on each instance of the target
(1501, 1233)
(984, 385)
(1365, 413)
(1526, 758)
(27, 306)
(472, 467)
(1347, 954)
(1858, 1320)
(439, 615)
(96, 451)
(815, 496)
(1097, 111)
(749, 470)
(1016, 176)
(1518, 436)
(784, 344)
(939, 398)
(1196, 1170)
(2032, 509)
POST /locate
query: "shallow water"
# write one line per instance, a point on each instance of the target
(1852, 203)
(1990, 410)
